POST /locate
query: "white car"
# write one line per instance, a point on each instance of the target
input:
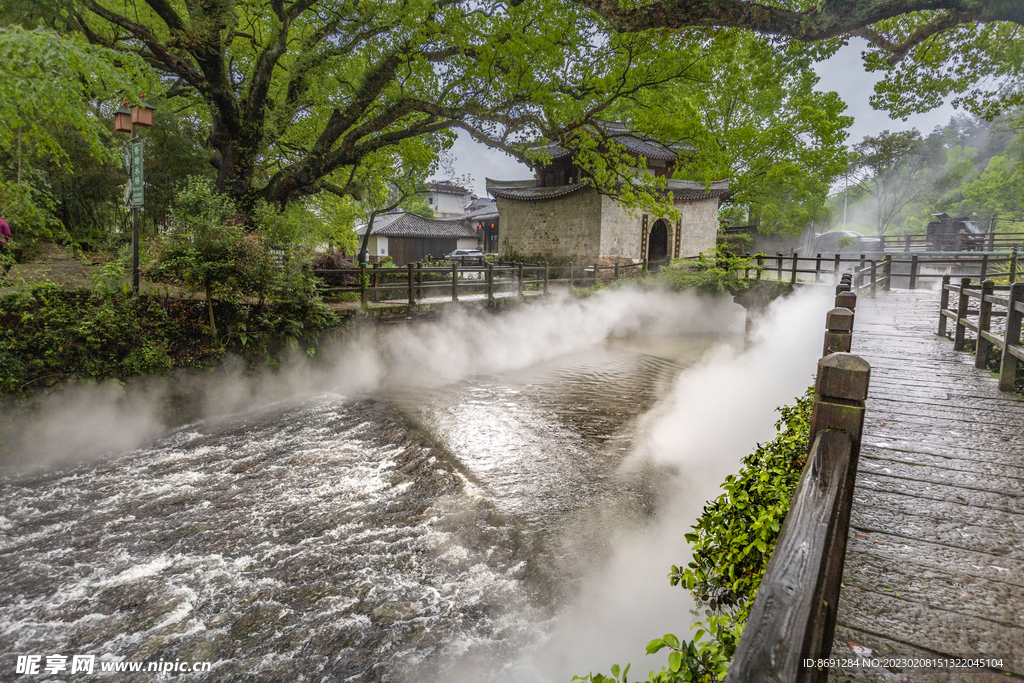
(466, 256)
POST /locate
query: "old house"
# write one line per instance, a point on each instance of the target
(407, 238)
(559, 214)
(481, 215)
(447, 198)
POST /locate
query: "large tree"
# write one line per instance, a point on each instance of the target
(302, 96)
(972, 49)
(752, 112)
(894, 169)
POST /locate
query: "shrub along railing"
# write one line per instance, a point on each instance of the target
(792, 620)
(993, 302)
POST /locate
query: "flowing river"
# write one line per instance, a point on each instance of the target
(407, 533)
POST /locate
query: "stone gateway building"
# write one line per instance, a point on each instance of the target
(558, 215)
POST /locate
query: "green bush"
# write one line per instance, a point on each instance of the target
(713, 272)
(732, 543)
(52, 333)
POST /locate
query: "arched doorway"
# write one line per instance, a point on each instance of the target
(657, 248)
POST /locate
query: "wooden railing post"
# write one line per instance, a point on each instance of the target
(984, 325)
(570, 274)
(519, 275)
(1008, 367)
(838, 331)
(490, 283)
(961, 314)
(376, 281)
(455, 281)
(984, 267)
(595, 272)
(906, 243)
(412, 286)
(913, 271)
(362, 284)
(419, 280)
(778, 266)
(793, 616)
(792, 272)
(887, 269)
(943, 305)
(817, 268)
(835, 270)
(760, 265)
(847, 300)
(546, 276)
(1013, 265)
(874, 278)
(616, 270)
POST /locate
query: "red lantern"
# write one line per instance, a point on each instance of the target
(142, 115)
(123, 121)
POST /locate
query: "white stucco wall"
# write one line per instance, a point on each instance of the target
(446, 204)
(377, 246)
(468, 243)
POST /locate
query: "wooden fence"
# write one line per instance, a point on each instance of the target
(993, 302)
(792, 621)
(894, 270)
(990, 241)
(417, 281)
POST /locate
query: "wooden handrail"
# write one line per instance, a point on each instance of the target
(792, 621)
(1009, 343)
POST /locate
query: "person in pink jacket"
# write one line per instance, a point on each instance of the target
(5, 241)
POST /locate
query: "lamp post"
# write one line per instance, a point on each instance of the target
(125, 120)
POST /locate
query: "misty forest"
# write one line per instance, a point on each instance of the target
(367, 340)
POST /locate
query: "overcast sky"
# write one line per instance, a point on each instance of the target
(844, 73)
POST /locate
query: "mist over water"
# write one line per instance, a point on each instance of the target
(478, 497)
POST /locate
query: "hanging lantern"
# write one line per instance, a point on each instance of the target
(123, 121)
(142, 114)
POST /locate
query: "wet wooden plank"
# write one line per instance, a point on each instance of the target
(935, 563)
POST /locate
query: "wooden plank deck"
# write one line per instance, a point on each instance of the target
(935, 561)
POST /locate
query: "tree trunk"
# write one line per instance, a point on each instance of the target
(213, 323)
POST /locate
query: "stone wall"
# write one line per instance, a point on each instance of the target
(587, 225)
(620, 231)
(699, 226)
(564, 226)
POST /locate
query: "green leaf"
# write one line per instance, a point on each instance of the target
(655, 645)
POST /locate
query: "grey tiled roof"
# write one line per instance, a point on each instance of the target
(637, 143)
(527, 189)
(689, 191)
(410, 225)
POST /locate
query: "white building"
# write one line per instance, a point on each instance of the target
(448, 199)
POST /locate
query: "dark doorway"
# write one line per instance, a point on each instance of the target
(658, 246)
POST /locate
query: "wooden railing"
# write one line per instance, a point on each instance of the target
(886, 273)
(954, 242)
(416, 281)
(792, 621)
(993, 302)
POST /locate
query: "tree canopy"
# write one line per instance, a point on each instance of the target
(750, 111)
(301, 97)
(930, 49)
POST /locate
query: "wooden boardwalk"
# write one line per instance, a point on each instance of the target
(935, 561)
